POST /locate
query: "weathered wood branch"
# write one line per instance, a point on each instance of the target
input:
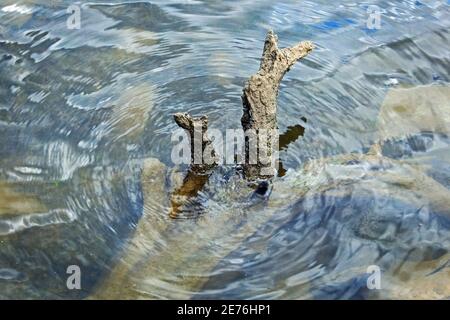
(259, 100)
(196, 128)
(200, 169)
(260, 93)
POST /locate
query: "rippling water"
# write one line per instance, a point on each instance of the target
(80, 110)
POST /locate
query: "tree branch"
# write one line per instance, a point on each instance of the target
(199, 171)
(196, 128)
(259, 97)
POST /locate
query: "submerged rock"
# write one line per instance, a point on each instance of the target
(314, 232)
(407, 111)
(385, 206)
(131, 111)
(14, 203)
(122, 282)
(345, 214)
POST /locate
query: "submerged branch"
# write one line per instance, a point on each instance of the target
(192, 184)
(196, 129)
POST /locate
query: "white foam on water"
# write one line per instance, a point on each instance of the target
(20, 223)
(17, 9)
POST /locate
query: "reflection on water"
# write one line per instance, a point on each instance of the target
(81, 110)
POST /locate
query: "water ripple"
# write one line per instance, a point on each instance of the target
(81, 110)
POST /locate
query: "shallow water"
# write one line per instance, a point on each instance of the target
(81, 109)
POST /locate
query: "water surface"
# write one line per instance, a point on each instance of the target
(80, 110)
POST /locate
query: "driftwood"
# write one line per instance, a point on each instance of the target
(196, 128)
(260, 93)
(259, 100)
(199, 170)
